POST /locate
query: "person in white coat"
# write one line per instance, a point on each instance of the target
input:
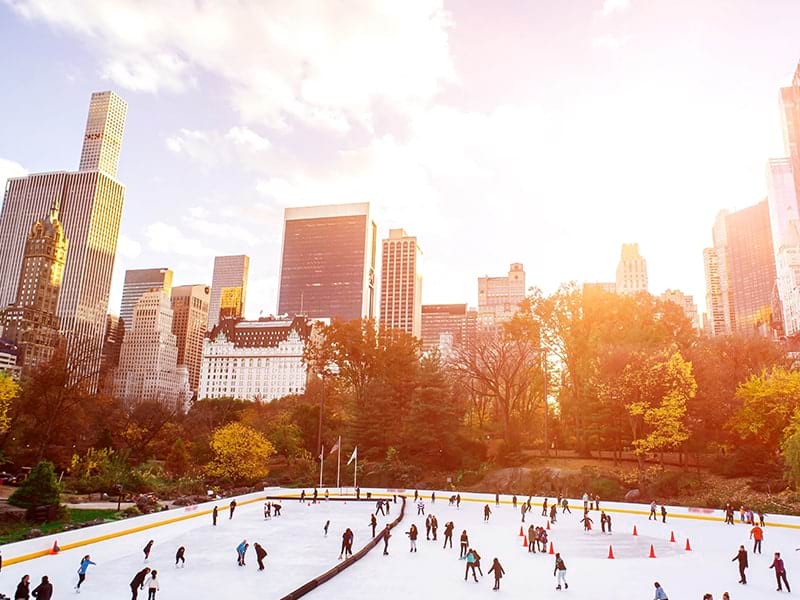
(152, 585)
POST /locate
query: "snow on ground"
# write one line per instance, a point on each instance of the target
(298, 552)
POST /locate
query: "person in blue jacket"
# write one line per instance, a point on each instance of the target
(241, 550)
(660, 593)
(85, 562)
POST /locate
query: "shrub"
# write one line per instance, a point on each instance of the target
(39, 489)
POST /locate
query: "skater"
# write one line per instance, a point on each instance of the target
(214, 515)
(276, 509)
(761, 516)
(587, 522)
(523, 510)
(532, 533)
(560, 571)
(180, 556)
(558, 501)
(328, 524)
(379, 508)
(147, 549)
(596, 502)
(152, 585)
(553, 513)
(433, 497)
(741, 556)
(729, 515)
(780, 571)
(586, 506)
(542, 539)
(420, 508)
(326, 495)
(448, 533)
(231, 507)
(530, 498)
(261, 554)
(316, 495)
(137, 583)
(660, 593)
(464, 544)
(603, 521)
(458, 500)
(757, 535)
(498, 571)
(544, 508)
(565, 506)
(85, 562)
(43, 591)
(23, 588)
(303, 496)
(663, 514)
(608, 522)
(267, 510)
(387, 533)
(241, 550)
(470, 565)
(373, 522)
(497, 499)
(514, 501)
(416, 495)
(345, 537)
(412, 534)
(486, 512)
(435, 527)
(428, 528)
(477, 561)
(652, 516)
(348, 549)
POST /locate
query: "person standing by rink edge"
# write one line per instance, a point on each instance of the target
(498, 571)
(214, 515)
(660, 593)
(232, 508)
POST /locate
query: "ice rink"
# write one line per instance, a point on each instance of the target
(298, 551)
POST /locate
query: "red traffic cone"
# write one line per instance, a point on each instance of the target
(551, 549)
(521, 533)
(688, 546)
(672, 536)
(548, 525)
(524, 541)
(634, 530)
(652, 552)
(55, 549)
(610, 552)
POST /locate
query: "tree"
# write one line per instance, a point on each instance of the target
(240, 454)
(39, 489)
(9, 391)
(768, 402)
(790, 450)
(177, 463)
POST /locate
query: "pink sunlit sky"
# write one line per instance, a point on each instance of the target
(542, 132)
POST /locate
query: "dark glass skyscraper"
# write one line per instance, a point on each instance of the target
(328, 262)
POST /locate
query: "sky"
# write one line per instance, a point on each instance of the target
(542, 132)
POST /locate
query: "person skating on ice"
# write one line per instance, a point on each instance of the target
(652, 516)
(757, 535)
(267, 510)
(412, 534)
(85, 562)
(137, 583)
(420, 508)
(448, 533)
(587, 521)
(379, 508)
(23, 588)
(585, 499)
(464, 544)
(214, 515)
(344, 542)
(303, 496)
(434, 526)
(741, 558)
(328, 524)
(544, 508)
(261, 554)
(276, 509)
(780, 571)
(663, 514)
(565, 506)
(458, 500)
(180, 557)
(532, 538)
(387, 533)
(542, 539)
(761, 517)
(603, 521)
(43, 591)
(326, 495)
(427, 527)
(498, 571)
(231, 508)
(152, 585)
(660, 593)
(523, 509)
(147, 549)
(514, 501)
(597, 502)
(348, 547)
(477, 562)
(373, 522)
(470, 557)
(553, 513)
(433, 497)
(486, 513)
(560, 572)
(316, 496)
(241, 550)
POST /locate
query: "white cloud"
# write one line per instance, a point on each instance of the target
(611, 41)
(239, 144)
(248, 138)
(169, 239)
(612, 6)
(127, 247)
(322, 64)
(9, 169)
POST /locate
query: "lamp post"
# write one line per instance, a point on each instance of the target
(543, 357)
(321, 408)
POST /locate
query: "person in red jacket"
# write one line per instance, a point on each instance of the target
(756, 534)
(780, 571)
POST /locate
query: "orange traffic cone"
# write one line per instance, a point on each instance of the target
(548, 525)
(688, 547)
(55, 549)
(551, 549)
(634, 530)
(610, 552)
(672, 536)
(652, 552)
(521, 533)
(524, 541)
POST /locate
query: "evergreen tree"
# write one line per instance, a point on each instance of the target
(39, 489)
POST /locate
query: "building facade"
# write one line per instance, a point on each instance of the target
(631, 271)
(91, 203)
(190, 307)
(715, 322)
(148, 362)
(499, 297)
(228, 288)
(328, 262)
(790, 112)
(31, 323)
(8, 359)
(401, 283)
(112, 345)
(448, 328)
(255, 360)
(686, 303)
(137, 283)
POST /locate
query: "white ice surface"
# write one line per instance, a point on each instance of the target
(298, 552)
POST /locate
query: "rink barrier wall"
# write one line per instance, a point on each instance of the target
(39, 547)
(313, 584)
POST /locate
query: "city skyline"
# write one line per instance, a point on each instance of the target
(210, 179)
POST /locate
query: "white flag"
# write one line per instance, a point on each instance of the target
(354, 455)
(335, 446)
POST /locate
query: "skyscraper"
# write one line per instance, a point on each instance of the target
(105, 126)
(190, 308)
(148, 362)
(686, 304)
(448, 327)
(401, 283)
(714, 302)
(328, 262)
(228, 288)
(499, 297)
(746, 266)
(31, 322)
(137, 283)
(631, 271)
(112, 345)
(91, 210)
(790, 111)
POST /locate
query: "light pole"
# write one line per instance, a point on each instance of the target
(543, 357)
(321, 408)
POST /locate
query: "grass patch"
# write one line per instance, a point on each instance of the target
(14, 532)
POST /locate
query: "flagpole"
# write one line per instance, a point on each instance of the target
(355, 472)
(339, 463)
(321, 463)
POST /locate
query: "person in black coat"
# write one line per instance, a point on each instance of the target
(260, 555)
(741, 556)
(147, 549)
(464, 544)
(327, 524)
(214, 515)
(434, 526)
(232, 507)
(387, 533)
(498, 571)
(448, 533)
(138, 582)
(23, 588)
(373, 522)
(43, 591)
(180, 557)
